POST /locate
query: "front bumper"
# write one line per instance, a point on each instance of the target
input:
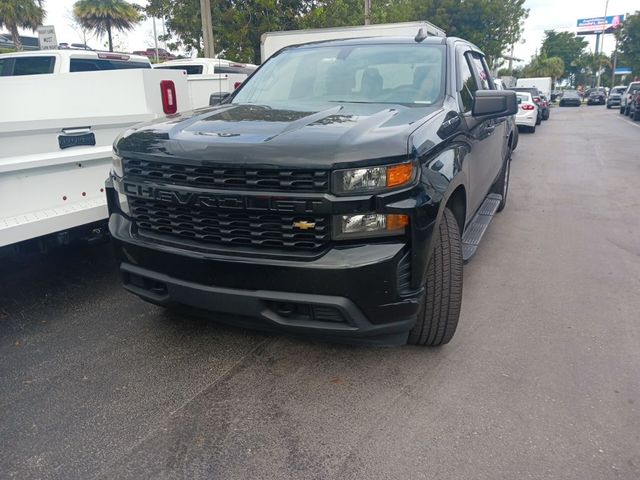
(528, 120)
(352, 292)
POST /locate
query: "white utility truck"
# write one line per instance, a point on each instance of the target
(543, 84)
(271, 42)
(207, 76)
(60, 112)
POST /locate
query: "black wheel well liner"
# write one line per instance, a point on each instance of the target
(457, 203)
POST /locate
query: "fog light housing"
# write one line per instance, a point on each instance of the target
(368, 225)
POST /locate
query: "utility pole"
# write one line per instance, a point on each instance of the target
(155, 39)
(207, 28)
(615, 64)
(604, 29)
(367, 12)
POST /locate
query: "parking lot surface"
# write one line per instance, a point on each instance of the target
(541, 380)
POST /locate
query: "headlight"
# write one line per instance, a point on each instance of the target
(368, 225)
(116, 166)
(372, 179)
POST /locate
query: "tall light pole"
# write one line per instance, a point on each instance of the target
(207, 28)
(604, 29)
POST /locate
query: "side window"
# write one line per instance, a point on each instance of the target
(33, 65)
(3, 64)
(481, 71)
(469, 86)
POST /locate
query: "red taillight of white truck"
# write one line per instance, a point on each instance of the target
(169, 100)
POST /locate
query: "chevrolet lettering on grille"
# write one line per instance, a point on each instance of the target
(222, 201)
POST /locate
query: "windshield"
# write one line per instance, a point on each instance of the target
(396, 74)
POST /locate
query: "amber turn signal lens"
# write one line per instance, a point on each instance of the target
(399, 174)
(397, 222)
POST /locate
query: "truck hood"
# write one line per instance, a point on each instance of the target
(260, 135)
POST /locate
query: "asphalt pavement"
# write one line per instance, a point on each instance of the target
(541, 381)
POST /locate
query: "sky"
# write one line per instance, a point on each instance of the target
(560, 15)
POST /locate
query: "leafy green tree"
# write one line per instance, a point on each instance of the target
(16, 14)
(591, 64)
(565, 45)
(629, 42)
(102, 16)
(542, 66)
(491, 24)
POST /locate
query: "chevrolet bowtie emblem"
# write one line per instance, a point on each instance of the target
(304, 225)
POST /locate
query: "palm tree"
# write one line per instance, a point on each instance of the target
(103, 15)
(16, 14)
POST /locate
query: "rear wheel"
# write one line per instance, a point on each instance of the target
(438, 315)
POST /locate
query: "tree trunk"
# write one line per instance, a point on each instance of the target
(17, 43)
(109, 35)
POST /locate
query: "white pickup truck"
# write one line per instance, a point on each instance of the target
(60, 112)
(207, 76)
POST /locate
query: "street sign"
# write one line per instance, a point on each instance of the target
(47, 37)
(622, 71)
(596, 25)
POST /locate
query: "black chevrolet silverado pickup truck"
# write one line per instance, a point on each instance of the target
(336, 193)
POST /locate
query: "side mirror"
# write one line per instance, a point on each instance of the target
(494, 104)
(218, 98)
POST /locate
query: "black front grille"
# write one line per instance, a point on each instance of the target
(235, 228)
(229, 178)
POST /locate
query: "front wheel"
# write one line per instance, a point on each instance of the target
(440, 309)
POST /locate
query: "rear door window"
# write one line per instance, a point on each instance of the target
(4, 63)
(190, 69)
(33, 65)
(98, 64)
(234, 69)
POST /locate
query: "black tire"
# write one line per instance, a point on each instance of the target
(545, 114)
(636, 114)
(501, 186)
(440, 310)
(621, 110)
(539, 120)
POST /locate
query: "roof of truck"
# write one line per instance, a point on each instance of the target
(372, 41)
(199, 60)
(79, 53)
